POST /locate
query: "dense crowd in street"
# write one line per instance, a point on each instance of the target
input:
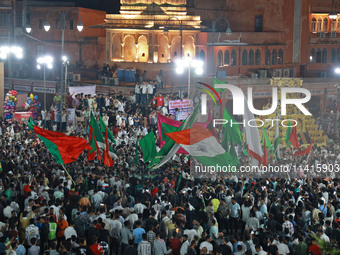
(129, 209)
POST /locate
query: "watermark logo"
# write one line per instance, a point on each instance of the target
(239, 97)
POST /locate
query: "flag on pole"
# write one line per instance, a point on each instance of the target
(277, 139)
(103, 128)
(291, 136)
(147, 143)
(107, 158)
(65, 149)
(265, 139)
(265, 156)
(304, 151)
(170, 148)
(96, 132)
(231, 132)
(202, 145)
(252, 136)
(94, 147)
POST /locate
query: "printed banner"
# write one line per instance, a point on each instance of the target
(86, 90)
(184, 107)
(22, 116)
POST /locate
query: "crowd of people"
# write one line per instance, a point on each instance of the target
(130, 209)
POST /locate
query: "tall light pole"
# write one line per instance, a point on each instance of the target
(228, 31)
(47, 27)
(166, 29)
(189, 63)
(45, 61)
(5, 52)
(65, 63)
(337, 72)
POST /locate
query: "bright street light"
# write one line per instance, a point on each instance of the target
(188, 63)
(7, 50)
(337, 70)
(45, 61)
(80, 26)
(47, 26)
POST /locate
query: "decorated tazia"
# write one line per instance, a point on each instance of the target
(32, 105)
(10, 104)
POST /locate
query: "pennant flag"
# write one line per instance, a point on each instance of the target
(136, 153)
(304, 151)
(217, 81)
(107, 158)
(170, 148)
(30, 123)
(252, 136)
(265, 157)
(103, 128)
(291, 136)
(94, 147)
(96, 132)
(231, 133)
(65, 149)
(277, 139)
(147, 143)
(162, 119)
(202, 145)
(265, 139)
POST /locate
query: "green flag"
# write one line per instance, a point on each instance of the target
(217, 81)
(233, 153)
(170, 148)
(96, 132)
(147, 143)
(103, 128)
(277, 139)
(231, 133)
(266, 138)
(167, 128)
(30, 123)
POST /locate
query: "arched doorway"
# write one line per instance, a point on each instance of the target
(116, 47)
(163, 53)
(175, 48)
(189, 47)
(143, 49)
(129, 48)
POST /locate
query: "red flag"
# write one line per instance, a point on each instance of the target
(265, 156)
(65, 149)
(294, 139)
(107, 158)
(305, 151)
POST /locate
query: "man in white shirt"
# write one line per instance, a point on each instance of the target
(282, 247)
(144, 93)
(150, 92)
(185, 245)
(206, 245)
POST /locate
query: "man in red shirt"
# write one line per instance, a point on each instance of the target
(314, 248)
(95, 248)
(160, 99)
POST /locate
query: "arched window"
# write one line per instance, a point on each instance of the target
(267, 58)
(324, 55)
(280, 57)
(333, 55)
(244, 57)
(274, 57)
(318, 55)
(251, 58)
(319, 25)
(226, 57)
(325, 25)
(312, 56)
(338, 55)
(333, 25)
(313, 27)
(233, 58)
(257, 57)
(202, 55)
(220, 58)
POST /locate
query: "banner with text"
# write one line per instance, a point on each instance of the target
(184, 107)
(86, 90)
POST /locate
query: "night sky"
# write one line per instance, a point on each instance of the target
(110, 6)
